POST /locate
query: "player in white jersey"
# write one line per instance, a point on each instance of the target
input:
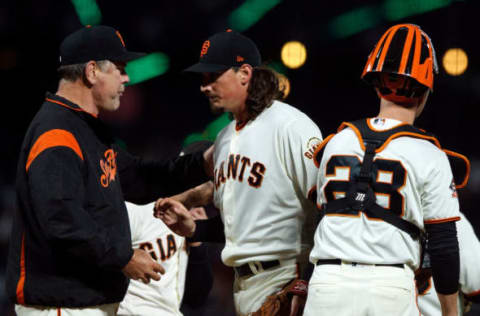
(163, 297)
(186, 264)
(263, 175)
(381, 183)
(469, 246)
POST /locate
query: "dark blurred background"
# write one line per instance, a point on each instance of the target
(157, 114)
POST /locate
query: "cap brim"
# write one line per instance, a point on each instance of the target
(203, 67)
(129, 56)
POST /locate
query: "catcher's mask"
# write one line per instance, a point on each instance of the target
(402, 64)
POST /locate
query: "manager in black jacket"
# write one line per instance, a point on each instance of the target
(70, 246)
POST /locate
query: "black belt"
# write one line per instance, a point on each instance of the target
(339, 261)
(245, 270)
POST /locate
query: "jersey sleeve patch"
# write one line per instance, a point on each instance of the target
(318, 153)
(53, 138)
(312, 145)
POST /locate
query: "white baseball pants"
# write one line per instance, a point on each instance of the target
(345, 290)
(250, 292)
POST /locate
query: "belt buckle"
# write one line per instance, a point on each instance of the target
(357, 264)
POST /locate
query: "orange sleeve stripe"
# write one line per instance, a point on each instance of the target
(21, 280)
(467, 163)
(442, 220)
(473, 293)
(53, 138)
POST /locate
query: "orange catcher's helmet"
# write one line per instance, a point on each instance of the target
(404, 51)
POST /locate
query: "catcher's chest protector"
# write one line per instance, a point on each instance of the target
(360, 195)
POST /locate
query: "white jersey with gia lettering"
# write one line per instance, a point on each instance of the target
(417, 181)
(167, 248)
(264, 174)
(469, 247)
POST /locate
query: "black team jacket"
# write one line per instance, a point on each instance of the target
(71, 234)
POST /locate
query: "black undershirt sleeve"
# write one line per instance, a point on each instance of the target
(211, 230)
(144, 181)
(442, 246)
(199, 277)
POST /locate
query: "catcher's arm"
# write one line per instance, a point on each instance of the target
(175, 216)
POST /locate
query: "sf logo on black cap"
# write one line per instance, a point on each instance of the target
(205, 47)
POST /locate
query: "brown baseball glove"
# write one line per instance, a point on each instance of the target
(279, 304)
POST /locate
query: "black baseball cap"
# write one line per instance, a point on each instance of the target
(224, 50)
(98, 42)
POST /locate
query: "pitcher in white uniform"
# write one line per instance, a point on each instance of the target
(381, 184)
(264, 174)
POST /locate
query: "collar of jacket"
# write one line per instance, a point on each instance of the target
(54, 98)
(102, 131)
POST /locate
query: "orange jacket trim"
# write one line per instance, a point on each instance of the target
(21, 280)
(467, 163)
(53, 138)
(69, 107)
(442, 220)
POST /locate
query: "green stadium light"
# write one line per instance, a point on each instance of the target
(147, 67)
(354, 21)
(87, 11)
(249, 13)
(400, 9)
(211, 131)
(363, 18)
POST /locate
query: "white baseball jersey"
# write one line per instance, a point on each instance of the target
(158, 297)
(413, 179)
(469, 246)
(264, 173)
